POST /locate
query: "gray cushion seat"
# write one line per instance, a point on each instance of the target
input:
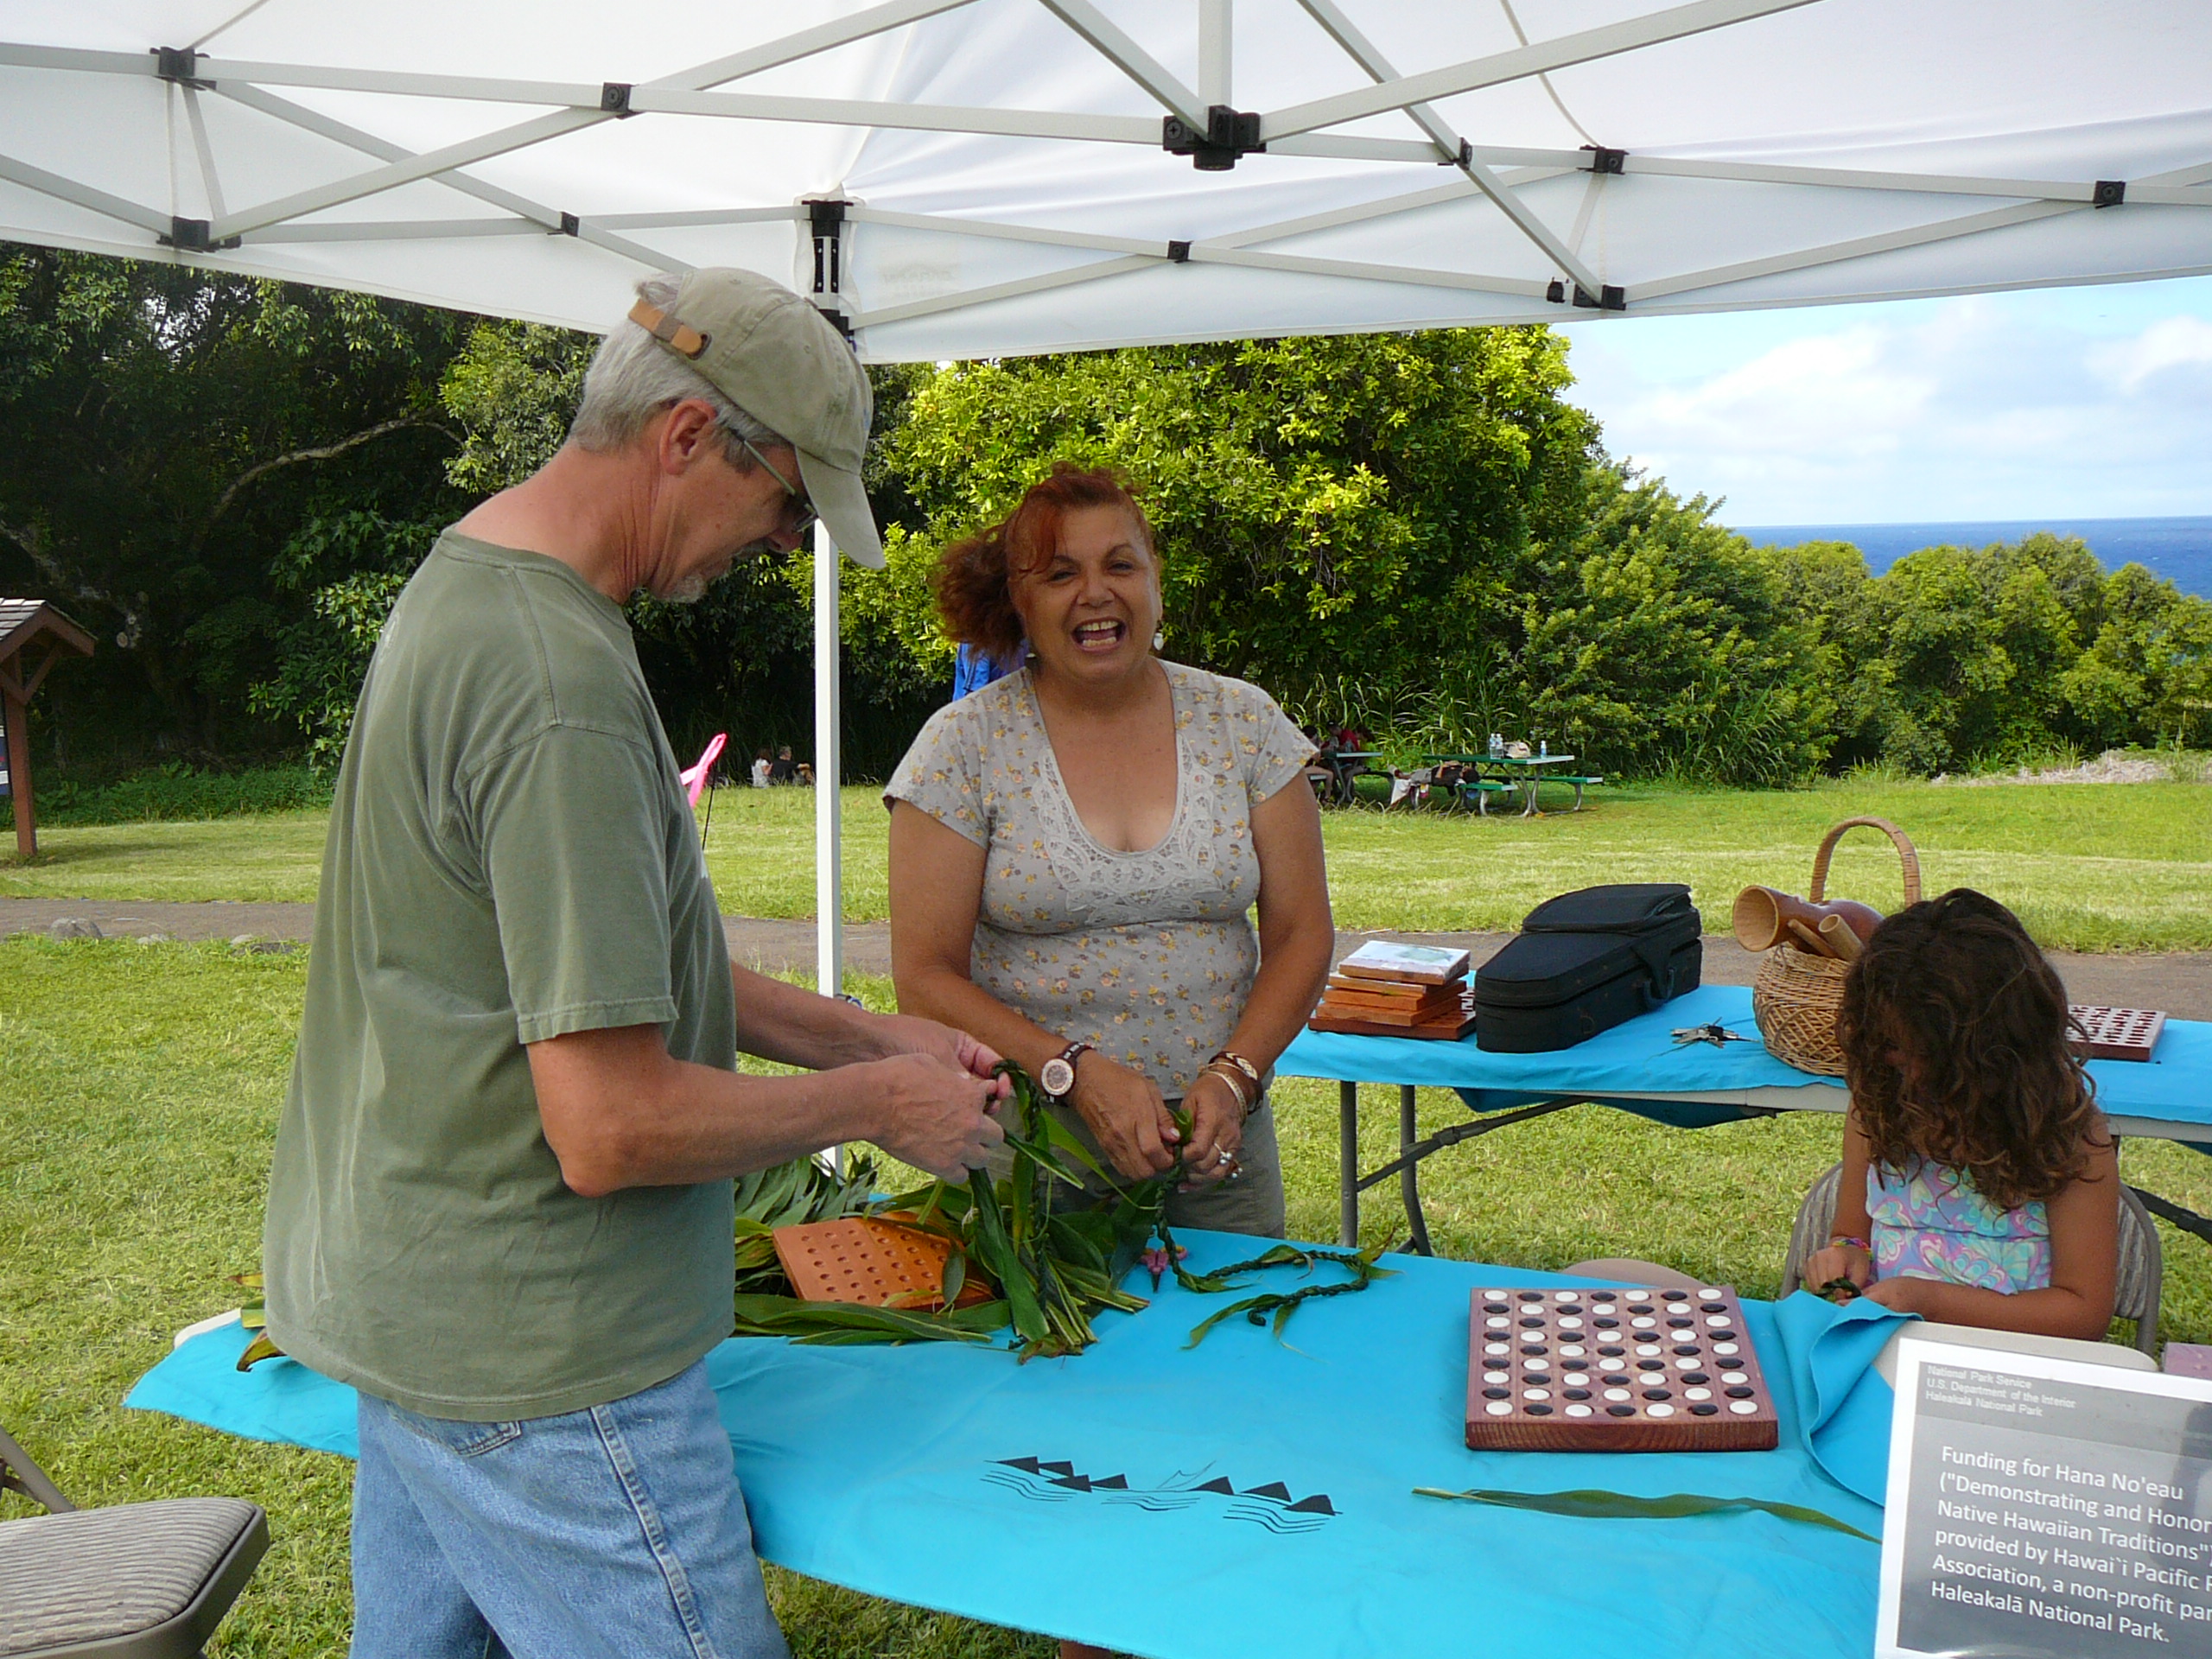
(150, 1579)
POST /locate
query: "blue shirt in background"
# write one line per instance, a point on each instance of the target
(973, 668)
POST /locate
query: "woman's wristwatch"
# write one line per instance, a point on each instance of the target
(1057, 1076)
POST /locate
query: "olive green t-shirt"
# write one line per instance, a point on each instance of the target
(510, 857)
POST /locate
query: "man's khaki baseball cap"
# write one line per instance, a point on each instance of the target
(779, 360)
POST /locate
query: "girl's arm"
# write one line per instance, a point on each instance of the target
(1852, 1261)
(2084, 1262)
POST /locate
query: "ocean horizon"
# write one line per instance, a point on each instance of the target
(2180, 549)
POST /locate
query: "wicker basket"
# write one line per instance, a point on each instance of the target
(1797, 995)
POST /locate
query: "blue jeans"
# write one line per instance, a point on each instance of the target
(616, 1531)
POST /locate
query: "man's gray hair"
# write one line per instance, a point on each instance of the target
(633, 376)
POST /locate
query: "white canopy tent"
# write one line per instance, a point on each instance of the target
(980, 178)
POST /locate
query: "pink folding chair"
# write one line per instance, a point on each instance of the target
(694, 778)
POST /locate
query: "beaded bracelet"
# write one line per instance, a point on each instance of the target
(1835, 1239)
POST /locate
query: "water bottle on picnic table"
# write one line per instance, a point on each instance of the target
(1544, 749)
(1497, 747)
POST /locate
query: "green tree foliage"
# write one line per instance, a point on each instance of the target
(1416, 535)
(167, 435)
(1320, 504)
(1960, 656)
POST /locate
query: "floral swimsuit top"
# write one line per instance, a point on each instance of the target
(1930, 1222)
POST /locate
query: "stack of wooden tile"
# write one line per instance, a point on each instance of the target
(1387, 989)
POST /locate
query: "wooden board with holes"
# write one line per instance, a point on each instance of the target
(1621, 1369)
(2116, 1033)
(862, 1259)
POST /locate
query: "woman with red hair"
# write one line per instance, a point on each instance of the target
(1075, 848)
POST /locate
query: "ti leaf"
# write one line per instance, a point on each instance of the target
(1597, 1505)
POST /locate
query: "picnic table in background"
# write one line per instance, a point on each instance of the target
(1527, 771)
(1523, 772)
(1345, 767)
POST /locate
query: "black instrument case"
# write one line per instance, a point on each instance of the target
(1585, 961)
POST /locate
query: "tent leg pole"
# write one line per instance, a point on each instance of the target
(19, 778)
(1348, 1163)
(829, 773)
(828, 770)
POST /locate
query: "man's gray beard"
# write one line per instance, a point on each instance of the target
(692, 588)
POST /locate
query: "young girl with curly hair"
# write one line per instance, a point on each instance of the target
(1979, 1183)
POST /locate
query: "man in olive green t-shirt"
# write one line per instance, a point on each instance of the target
(501, 1203)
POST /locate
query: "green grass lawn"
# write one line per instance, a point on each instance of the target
(272, 857)
(143, 1083)
(2090, 867)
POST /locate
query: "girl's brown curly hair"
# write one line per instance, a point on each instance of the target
(974, 577)
(1957, 984)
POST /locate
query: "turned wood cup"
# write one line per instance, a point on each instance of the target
(1761, 917)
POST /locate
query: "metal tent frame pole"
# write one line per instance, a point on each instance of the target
(828, 769)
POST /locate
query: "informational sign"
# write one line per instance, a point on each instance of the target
(2045, 1509)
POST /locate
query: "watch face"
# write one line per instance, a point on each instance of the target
(1058, 1077)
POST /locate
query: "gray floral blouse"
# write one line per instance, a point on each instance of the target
(1149, 955)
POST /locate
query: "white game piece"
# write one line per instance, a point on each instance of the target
(1535, 1394)
(1659, 1408)
(1499, 1408)
(1616, 1394)
(1578, 1409)
(1697, 1394)
(1743, 1407)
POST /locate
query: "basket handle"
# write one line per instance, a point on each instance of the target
(1906, 856)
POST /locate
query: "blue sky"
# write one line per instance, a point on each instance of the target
(2083, 403)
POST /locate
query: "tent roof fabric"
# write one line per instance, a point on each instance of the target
(1025, 175)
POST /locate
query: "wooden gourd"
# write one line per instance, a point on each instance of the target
(1796, 994)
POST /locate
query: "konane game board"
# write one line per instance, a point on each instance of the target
(1634, 1370)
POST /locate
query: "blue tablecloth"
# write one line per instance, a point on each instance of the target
(2175, 1086)
(1250, 1496)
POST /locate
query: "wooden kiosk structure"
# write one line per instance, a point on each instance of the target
(33, 638)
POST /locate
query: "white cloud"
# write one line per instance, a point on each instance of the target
(1997, 406)
(2183, 342)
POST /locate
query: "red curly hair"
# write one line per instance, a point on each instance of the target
(974, 581)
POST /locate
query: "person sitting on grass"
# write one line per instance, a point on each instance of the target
(1980, 1185)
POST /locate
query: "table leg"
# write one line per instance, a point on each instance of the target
(1410, 1176)
(1348, 1165)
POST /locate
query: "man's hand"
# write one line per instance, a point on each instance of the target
(903, 1033)
(935, 1115)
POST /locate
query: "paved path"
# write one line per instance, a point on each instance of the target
(2180, 982)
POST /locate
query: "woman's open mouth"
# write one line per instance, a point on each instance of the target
(1101, 636)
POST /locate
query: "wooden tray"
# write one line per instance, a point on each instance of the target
(873, 1263)
(1542, 1377)
(2116, 1033)
(1344, 1023)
